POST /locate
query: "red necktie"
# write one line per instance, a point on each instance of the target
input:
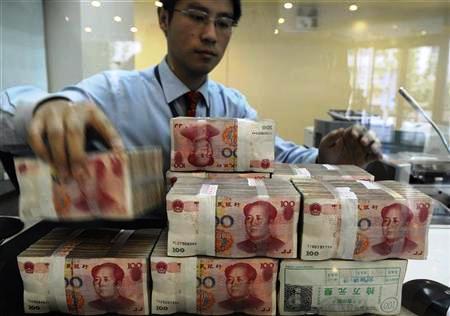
(192, 98)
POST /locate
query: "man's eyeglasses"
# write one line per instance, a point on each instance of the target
(222, 23)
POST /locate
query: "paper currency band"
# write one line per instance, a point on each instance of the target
(260, 186)
(300, 172)
(206, 219)
(57, 291)
(349, 220)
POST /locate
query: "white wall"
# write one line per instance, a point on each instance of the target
(73, 53)
(22, 52)
(63, 43)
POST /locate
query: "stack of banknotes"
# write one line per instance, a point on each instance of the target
(88, 272)
(121, 185)
(320, 172)
(222, 144)
(233, 218)
(363, 220)
(341, 287)
(172, 176)
(212, 286)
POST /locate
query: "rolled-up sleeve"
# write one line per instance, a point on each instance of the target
(16, 109)
(17, 105)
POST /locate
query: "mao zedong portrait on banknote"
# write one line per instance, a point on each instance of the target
(105, 182)
(107, 280)
(201, 154)
(259, 216)
(396, 220)
(239, 282)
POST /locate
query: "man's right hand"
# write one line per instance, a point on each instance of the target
(63, 124)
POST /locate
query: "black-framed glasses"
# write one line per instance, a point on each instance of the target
(222, 23)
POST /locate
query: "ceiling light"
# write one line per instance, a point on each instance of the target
(276, 32)
(353, 7)
(66, 18)
(158, 4)
(96, 3)
(395, 26)
(280, 21)
(117, 18)
(133, 29)
(423, 33)
(288, 5)
(359, 26)
(88, 29)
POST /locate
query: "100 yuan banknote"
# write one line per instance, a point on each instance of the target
(339, 287)
(234, 225)
(222, 144)
(373, 223)
(212, 286)
(104, 194)
(85, 286)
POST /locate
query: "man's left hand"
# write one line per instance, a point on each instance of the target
(354, 145)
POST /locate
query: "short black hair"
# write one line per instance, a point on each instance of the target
(169, 5)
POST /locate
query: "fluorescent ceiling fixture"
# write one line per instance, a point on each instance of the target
(159, 4)
(117, 18)
(280, 21)
(288, 5)
(66, 18)
(276, 32)
(88, 29)
(133, 29)
(353, 7)
(96, 3)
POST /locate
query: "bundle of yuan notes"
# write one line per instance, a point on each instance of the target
(341, 287)
(222, 144)
(171, 176)
(212, 286)
(88, 272)
(320, 172)
(233, 218)
(119, 186)
(363, 220)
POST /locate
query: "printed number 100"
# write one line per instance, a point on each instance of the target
(312, 253)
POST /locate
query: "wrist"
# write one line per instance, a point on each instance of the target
(48, 100)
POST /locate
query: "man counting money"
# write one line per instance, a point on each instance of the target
(133, 108)
(107, 279)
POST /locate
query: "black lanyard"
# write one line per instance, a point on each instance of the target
(172, 104)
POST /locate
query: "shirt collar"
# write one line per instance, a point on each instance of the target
(174, 87)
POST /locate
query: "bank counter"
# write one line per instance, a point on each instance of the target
(436, 267)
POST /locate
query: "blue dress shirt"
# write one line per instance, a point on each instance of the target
(138, 106)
